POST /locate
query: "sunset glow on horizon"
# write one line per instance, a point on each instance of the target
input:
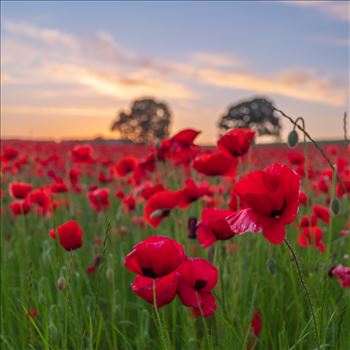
(68, 68)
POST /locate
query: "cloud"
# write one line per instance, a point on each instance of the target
(122, 87)
(57, 110)
(339, 10)
(49, 36)
(97, 62)
(214, 59)
(298, 84)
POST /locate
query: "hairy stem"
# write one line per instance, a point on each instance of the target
(305, 289)
(313, 141)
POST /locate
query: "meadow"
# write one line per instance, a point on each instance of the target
(272, 245)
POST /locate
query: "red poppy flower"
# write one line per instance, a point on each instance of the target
(74, 176)
(92, 267)
(215, 164)
(19, 190)
(191, 192)
(214, 226)
(156, 256)
(9, 154)
(70, 235)
(156, 260)
(20, 207)
(306, 221)
(33, 313)
(342, 273)
(185, 137)
(41, 198)
(148, 192)
(233, 202)
(296, 158)
(256, 323)
(99, 199)
(119, 194)
(129, 203)
(103, 178)
(82, 154)
(341, 191)
(125, 166)
(236, 142)
(59, 187)
(323, 184)
(303, 198)
(321, 213)
(311, 236)
(159, 206)
(163, 289)
(271, 198)
(148, 163)
(179, 147)
(197, 277)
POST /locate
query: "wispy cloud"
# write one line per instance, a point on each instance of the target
(57, 110)
(215, 59)
(117, 85)
(99, 63)
(301, 85)
(339, 10)
(49, 36)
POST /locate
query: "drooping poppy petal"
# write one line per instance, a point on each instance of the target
(126, 165)
(19, 190)
(213, 226)
(236, 142)
(271, 197)
(207, 306)
(215, 164)
(162, 289)
(321, 212)
(342, 273)
(159, 206)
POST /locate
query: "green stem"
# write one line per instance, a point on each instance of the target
(313, 141)
(161, 330)
(306, 291)
(203, 320)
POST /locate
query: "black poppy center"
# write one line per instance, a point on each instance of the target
(166, 212)
(148, 272)
(200, 284)
(276, 214)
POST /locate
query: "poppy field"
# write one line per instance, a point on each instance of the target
(175, 246)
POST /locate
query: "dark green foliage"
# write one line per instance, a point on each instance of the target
(256, 114)
(147, 122)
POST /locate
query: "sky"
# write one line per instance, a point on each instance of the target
(68, 68)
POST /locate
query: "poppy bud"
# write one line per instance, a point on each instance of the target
(52, 330)
(42, 299)
(293, 139)
(335, 206)
(33, 313)
(271, 266)
(61, 283)
(109, 274)
(192, 227)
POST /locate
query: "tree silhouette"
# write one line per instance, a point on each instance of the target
(147, 122)
(256, 114)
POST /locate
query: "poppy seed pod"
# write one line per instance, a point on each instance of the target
(335, 206)
(293, 139)
(61, 283)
